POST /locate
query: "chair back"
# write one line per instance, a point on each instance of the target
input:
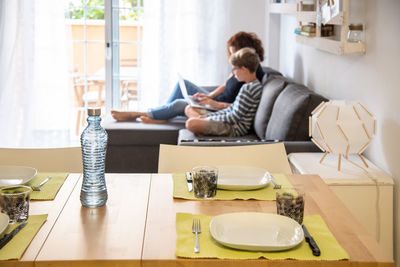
(66, 159)
(271, 157)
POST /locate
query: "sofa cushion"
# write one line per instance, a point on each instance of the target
(314, 101)
(187, 137)
(185, 134)
(271, 90)
(289, 118)
(271, 72)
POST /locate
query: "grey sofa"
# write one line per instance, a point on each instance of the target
(282, 116)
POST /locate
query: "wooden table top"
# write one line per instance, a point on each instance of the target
(109, 235)
(137, 226)
(160, 235)
(53, 209)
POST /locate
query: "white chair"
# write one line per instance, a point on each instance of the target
(271, 157)
(94, 97)
(66, 159)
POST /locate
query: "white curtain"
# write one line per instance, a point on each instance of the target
(34, 93)
(189, 37)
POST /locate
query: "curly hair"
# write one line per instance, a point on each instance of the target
(246, 39)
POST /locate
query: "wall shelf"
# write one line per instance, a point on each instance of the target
(337, 45)
(311, 16)
(332, 46)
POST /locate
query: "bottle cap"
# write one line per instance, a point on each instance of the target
(355, 27)
(94, 111)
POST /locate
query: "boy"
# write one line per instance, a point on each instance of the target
(237, 119)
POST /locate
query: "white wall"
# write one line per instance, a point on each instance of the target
(373, 79)
(245, 17)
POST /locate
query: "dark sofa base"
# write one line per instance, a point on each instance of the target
(133, 147)
(132, 159)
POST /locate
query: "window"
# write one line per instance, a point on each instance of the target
(106, 40)
(124, 36)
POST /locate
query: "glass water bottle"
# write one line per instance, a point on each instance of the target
(94, 146)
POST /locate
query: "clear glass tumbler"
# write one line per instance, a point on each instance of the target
(205, 180)
(290, 203)
(14, 201)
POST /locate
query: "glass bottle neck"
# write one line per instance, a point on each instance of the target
(93, 119)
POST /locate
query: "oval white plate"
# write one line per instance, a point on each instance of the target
(16, 175)
(3, 222)
(242, 177)
(256, 231)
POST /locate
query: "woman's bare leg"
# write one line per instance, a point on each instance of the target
(146, 119)
(126, 115)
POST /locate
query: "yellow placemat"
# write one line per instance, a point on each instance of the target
(18, 244)
(266, 193)
(49, 189)
(209, 248)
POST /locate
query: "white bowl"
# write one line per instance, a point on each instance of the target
(16, 175)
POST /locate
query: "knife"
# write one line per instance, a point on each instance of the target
(310, 240)
(189, 181)
(7, 237)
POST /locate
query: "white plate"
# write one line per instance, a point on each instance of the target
(16, 175)
(242, 177)
(3, 222)
(256, 231)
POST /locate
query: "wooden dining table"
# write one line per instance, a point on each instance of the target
(137, 226)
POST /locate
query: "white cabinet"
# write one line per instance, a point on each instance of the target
(367, 192)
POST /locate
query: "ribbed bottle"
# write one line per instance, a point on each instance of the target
(94, 147)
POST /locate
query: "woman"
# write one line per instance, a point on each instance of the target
(220, 98)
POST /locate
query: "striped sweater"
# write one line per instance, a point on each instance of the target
(243, 110)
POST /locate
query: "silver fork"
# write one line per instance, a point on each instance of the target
(39, 187)
(196, 229)
(276, 186)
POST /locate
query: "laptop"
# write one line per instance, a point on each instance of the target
(190, 99)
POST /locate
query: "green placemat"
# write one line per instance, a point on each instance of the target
(266, 193)
(18, 244)
(209, 248)
(49, 189)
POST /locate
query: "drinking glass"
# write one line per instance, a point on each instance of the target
(290, 203)
(14, 201)
(205, 181)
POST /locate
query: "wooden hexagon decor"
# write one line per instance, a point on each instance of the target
(342, 128)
